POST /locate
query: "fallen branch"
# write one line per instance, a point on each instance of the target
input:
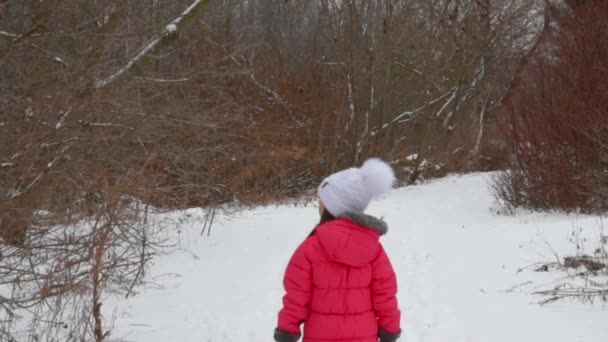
(179, 23)
(8, 34)
(409, 115)
(584, 293)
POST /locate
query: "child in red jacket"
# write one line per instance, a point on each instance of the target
(340, 283)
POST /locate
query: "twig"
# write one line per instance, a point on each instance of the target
(209, 217)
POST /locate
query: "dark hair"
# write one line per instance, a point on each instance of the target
(325, 217)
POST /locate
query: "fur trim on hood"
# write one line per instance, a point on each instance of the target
(368, 221)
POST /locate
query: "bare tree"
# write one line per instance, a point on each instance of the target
(104, 105)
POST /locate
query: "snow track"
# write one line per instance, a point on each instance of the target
(457, 263)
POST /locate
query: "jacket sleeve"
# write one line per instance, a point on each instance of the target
(384, 295)
(298, 288)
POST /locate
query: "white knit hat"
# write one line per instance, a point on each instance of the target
(352, 189)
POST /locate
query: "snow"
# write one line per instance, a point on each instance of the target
(412, 157)
(171, 28)
(8, 34)
(61, 121)
(149, 46)
(463, 272)
(29, 113)
(163, 80)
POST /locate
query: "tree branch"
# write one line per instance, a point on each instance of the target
(178, 24)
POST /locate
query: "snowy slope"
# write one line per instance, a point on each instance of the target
(457, 265)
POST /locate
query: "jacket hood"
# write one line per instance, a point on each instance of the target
(352, 239)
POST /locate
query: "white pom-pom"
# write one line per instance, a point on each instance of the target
(379, 176)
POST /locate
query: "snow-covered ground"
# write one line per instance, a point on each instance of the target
(459, 267)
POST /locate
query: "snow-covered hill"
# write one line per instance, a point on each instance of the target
(463, 272)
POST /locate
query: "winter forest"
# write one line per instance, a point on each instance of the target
(160, 153)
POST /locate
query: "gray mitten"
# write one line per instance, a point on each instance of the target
(283, 336)
(385, 336)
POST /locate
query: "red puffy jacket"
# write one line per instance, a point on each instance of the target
(340, 283)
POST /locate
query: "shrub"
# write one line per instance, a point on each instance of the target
(557, 121)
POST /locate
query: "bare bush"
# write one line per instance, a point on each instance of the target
(586, 272)
(96, 116)
(57, 283)
(557, 120)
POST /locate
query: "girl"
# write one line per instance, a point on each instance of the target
(340, 283)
